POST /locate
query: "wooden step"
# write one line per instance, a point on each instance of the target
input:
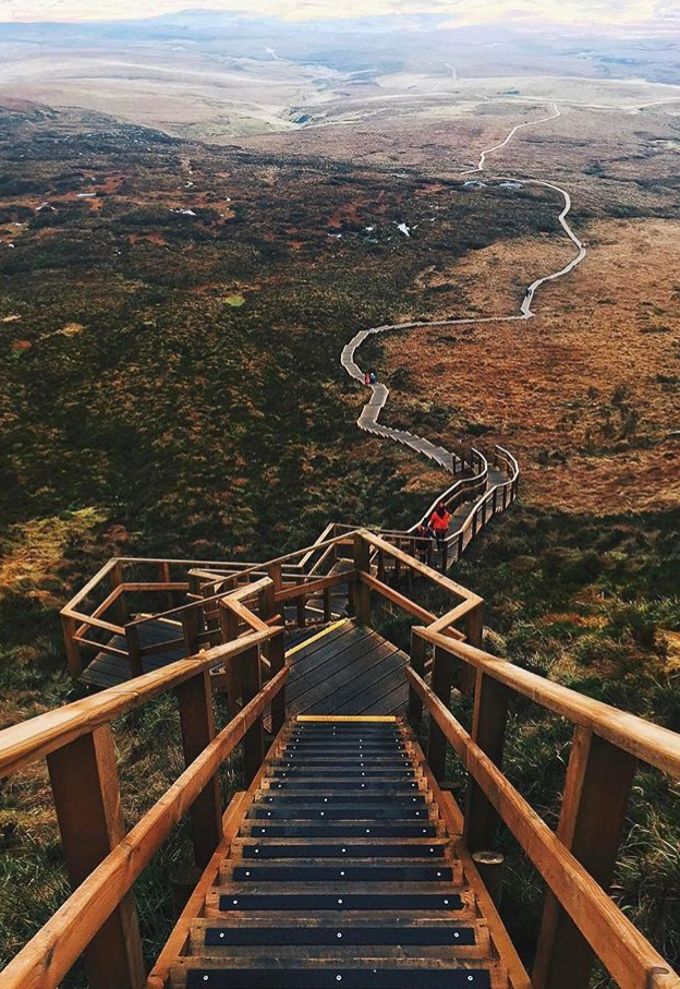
(353, 811)
(402, 797)
(261, 971)
(342, 876)
(343, 848)
(339, 932)
(360, 782)
(348, 829)
(336, 897)
(351, 870)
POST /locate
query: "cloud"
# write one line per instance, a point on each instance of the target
(577, 12)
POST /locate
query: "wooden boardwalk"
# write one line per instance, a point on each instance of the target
(347, 669)
(106, 670)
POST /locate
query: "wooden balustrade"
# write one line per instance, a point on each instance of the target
(606, 746)
(596, 920)
(103, 862)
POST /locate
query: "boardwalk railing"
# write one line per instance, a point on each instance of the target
(103, 862)
(577, 862)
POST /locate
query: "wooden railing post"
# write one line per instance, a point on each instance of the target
(191, 628)
(229, 628)
(277, 659)
(274, 571)
(164, 573)
(362, 593)
(198, 728)
(120, 610)
(415, 704)
(596, 791)
(276, 654)
(488, 731)
(71, 647)
(474, 633)
(134, 650)
(253, 741)
(86, 791)
(442, 670)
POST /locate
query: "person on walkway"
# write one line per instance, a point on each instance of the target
(423, 534)
(367, 377)
(373, 377)
(439, 523)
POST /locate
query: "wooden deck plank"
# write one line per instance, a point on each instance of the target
(343, 670)
(377, 673)
(307, 662)
(338, 676)
(333, 663)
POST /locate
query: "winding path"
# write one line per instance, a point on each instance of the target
(370, 414)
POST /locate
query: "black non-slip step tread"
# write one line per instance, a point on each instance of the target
(339, 812)
(387, 870)
(343, 758)
(259, 850)
(298, 898)
(334, 742)
(212, 933)
(322, 798)
(357, 783)
(432, 973)
(348, 829)
(307, 773)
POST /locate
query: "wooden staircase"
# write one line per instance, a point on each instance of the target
(342, 873)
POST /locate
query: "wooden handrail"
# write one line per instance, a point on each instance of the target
(312, 587)
(627, 955)
(405, 603)
(237, 594)
(47, 957)
(648, 742)
(31, 740)
(92, 583)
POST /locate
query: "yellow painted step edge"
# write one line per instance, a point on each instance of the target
(319, 635)
(386, 718)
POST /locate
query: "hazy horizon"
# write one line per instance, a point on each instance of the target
(617, 15)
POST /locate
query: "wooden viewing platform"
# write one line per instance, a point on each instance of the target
(341, 861)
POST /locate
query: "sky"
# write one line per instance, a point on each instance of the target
(616, 13)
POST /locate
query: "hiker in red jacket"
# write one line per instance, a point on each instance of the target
(439, 523)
